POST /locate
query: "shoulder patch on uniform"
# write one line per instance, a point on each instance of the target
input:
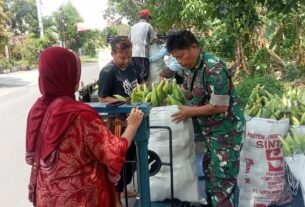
(219, 65)
(218, 80)
(212, 61)
(216, 68)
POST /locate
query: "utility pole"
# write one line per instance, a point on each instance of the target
(39, 14)
(62, 28)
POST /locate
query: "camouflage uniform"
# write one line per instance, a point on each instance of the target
(210, 83)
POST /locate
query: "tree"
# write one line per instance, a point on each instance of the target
(3, 31)
(199, 15)
(66, 20)
(241, 18)
(121, 29)
(91, 41)
(294, 9)
(182, 14)
(124, 8)
(262, 30)
(23, 16)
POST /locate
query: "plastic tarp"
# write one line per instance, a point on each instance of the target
(156, 67)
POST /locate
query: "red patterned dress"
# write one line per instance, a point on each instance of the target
(87, 165)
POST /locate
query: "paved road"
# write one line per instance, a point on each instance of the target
(18, 91)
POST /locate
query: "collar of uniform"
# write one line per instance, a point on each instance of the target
(199, 60)
(142, 20)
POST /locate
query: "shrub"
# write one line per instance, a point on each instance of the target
(5, 64)
(220, 43)
(32, 48)
(292, 72)
(260, 62)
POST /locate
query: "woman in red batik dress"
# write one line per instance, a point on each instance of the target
(75, 159)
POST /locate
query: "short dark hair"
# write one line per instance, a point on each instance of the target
(146, 18)
(120, 43)
(180, 40)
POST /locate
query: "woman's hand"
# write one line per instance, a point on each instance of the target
(135, 118)
(133, 122)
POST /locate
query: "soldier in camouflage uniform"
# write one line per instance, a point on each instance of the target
(213, 101)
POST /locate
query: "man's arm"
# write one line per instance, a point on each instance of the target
(207, 110)
(186, 112)
(160, 54)
(107, 99)
(174, 65)
(219, 101)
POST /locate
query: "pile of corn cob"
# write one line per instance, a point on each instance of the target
(295, 101)
(263, 104)
(165, 93)
(293, 143)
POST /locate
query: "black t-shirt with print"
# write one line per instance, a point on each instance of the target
(113, 81)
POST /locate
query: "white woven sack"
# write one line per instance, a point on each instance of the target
(185, 174)
(296, 166)
(261, 178)
(296, 163)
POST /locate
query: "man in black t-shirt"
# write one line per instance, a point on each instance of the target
(119, 77)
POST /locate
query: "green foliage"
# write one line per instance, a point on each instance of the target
(288, 45)
(281, 34)
(111, 31)
(121, 29)
(260, 62)
(244, 21)
(245, 86)
(91, 41)
(182, 14)
(292, 72)
(167, 15)
(88, 59)
(5, 64)
(287, 50)
(66, 20)
(31, 50)
(292, 16)
(239, 15)
(90, 48)
(124, 8)
(270, 28)
(277, 37)
(219, 42)
(193, 13)
(27, 55)
(280, 6)
(3, 30)
(49, 38)
(23, 16)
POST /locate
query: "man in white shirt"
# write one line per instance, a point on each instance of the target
(141, 35)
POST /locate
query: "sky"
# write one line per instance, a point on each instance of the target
(90, 10)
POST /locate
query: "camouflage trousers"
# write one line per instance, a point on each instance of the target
(221, 164)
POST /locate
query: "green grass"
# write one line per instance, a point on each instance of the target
(88, 59)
